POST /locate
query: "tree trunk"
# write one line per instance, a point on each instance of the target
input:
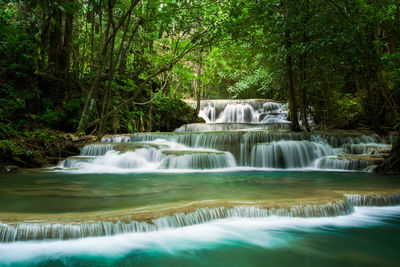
(292, 93)
(150, 126)
(327, 93)
(92, 22)
(303, 65)
(371, 107)
(289, 72)
(382, 84)
(55, 45)
(66, 50)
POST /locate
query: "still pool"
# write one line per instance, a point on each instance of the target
(62, 192)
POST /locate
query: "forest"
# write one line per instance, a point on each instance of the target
(200, 133)
(93, 67)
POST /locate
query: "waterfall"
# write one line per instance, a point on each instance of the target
(116, 139)
(244, 133)
(251, 148)
(202, 160)
(208, 114)
(238, 113)
(243, 111)
(96, 149)
(288, 154)
(373, 200)
(221, 127)
(41, 231)
(337, 163)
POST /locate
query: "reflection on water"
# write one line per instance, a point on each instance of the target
(47, 192)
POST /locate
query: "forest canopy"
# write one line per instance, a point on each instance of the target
(120, 66)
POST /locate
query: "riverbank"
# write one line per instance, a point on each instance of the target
(39, 149)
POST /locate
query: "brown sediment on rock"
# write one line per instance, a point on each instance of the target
(191, 152)
(347, 133)
(114, 135)
(149, 213)
(371, 158)
(147, 219)
(124, 147)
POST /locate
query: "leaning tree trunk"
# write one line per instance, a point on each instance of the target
(289, 70)
(197, 85)
(292, 93)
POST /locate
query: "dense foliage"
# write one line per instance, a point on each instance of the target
(98, 66)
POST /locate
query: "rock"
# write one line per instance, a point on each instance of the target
(392, 163)
(10, 168)
(73, 137)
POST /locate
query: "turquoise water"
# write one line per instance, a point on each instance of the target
(182, 199)
(368, 237)
(49, 192)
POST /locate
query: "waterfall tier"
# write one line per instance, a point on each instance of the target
(373, 200)
(160, 154)
(243, 111)
(227, 149)
(221, 127)
(41, 231)
(197, 160)
(288, 154)
(239, 133)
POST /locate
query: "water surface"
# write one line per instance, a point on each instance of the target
(52, 192)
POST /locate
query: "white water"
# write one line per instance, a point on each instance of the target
(288, 154)
(269, 232)
(41, 231)
(240, 133)
(243, 111)
(166, 155)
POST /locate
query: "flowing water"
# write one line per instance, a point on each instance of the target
(240, 189)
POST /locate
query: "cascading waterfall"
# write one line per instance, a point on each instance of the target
(239, 113)
(238, 133)
(340, 163)
(241, 133)
(243, 111)
(96, 150)
(373, 200)
(41, 231)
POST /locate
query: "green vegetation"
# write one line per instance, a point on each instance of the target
(120, 66)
